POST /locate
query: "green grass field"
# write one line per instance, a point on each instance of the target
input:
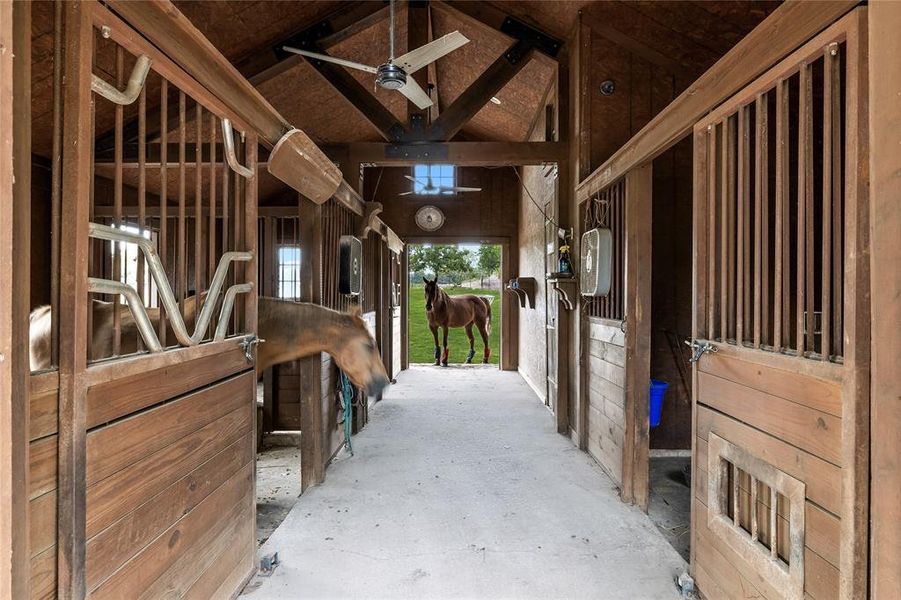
(422, 346)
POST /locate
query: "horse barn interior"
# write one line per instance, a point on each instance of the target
(206, 387)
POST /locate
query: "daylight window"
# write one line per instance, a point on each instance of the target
(289, 272)
(129, 271)
(433, 179)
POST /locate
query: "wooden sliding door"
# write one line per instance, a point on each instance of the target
(780, 327)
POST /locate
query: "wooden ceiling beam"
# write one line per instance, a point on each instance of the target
(333, 29)
(362, 99)
(491, 18)
(477, 95)
(464, 154)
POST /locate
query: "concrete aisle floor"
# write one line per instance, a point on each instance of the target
(460, 488)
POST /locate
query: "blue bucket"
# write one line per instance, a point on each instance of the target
(658, 390)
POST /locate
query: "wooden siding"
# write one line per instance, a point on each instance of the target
(606, 396)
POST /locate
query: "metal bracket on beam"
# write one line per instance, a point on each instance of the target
(531, 37)
(424, 152)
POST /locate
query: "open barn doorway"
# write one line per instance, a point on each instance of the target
(279, 429)
(459, 269)
(669, 469)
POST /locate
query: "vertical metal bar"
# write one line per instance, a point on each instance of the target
(142, 192)
(742, 200)
(780, 274)
(711, 230)
(837, 210)
(760, 184)
(181, 251)
(56, 179)
(211, 229)
(164, 197)
(198, 204)
(809, 183)
(117, 200)
(828, 91)
(724, 226)
(804, 93)
(238, 242)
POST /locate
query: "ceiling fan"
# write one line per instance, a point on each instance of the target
(430, 188)
(394, 74)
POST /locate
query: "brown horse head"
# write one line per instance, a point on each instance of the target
(431, 292)
(358, 355)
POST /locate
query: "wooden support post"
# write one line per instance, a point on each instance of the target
(76, 199)
(857, 327)
(405, 309)
(15, 166)
(885, 287)
(312, 441)
(509, 360)
(638, 334)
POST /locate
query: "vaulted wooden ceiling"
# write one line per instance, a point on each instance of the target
(248, 32)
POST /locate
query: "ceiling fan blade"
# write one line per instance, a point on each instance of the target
(416, 59)
(443, 189)
(415, 94)
(338, 61)
(405, 193)
(413, 179)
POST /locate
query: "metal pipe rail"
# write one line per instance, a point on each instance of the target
(158, 273)
(228, 137)
(133, 87)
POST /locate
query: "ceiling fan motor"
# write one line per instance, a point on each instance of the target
(391, 77)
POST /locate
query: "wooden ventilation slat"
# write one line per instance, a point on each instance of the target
(781, 268)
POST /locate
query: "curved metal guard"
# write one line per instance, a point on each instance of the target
(132, 89)
(105, 232)
(135, 305)
(230, 156)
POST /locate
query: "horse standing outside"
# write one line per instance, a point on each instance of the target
(465, 311)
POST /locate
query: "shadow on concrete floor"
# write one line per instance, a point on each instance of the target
(669, 506)
(278, 482)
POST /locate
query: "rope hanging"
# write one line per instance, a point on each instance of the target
(347, 396)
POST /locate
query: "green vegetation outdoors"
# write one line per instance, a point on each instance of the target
(422, 346)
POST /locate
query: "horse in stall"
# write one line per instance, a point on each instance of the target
(292, 330)
(447, 311)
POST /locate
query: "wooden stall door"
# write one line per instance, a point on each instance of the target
(781, 370)
(155, 449)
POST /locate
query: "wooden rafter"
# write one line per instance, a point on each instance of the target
(458, 153)
(477, 95)
(362, 99)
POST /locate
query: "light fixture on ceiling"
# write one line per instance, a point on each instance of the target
(495, 99)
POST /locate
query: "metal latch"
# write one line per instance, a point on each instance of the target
(247, 345)
(700, 349)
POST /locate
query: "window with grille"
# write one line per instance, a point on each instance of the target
(289, 272)
(758, 510)
(433, 179)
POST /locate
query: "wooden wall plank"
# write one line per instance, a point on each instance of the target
(114, 497)
(119, 397)
(42, 523)
(219, 508)
(819, 394)
(811, 430)
(110, 548)
(42, 469)
(114, 447)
